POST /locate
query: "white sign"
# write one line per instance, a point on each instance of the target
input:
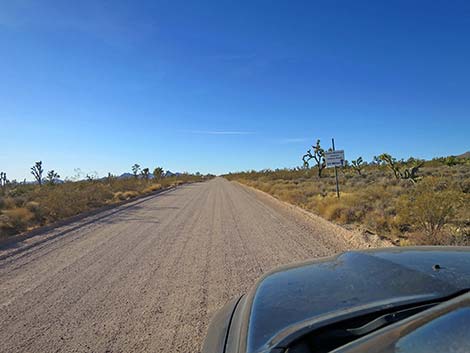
(334, 158)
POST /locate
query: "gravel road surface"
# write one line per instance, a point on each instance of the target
(148, 276)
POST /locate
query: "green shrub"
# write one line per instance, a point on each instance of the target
(430, 206)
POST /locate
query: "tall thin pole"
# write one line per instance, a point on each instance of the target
(336, 170)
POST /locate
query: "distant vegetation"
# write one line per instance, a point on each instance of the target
(408, 201)
(24, 206)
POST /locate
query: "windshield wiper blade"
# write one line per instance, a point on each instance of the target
(388, 319)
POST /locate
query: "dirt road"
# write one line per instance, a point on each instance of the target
(148, 276)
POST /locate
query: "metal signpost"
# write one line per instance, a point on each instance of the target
(335, 159)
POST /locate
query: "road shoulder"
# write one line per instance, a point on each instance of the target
(354, 238)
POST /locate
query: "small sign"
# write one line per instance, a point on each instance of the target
(334, 158)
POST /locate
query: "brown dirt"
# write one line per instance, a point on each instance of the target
(149, 276)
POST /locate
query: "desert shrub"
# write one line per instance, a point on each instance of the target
(442, 238)
(378, 201)
(333, 210)
(9, 203)
(291, 196)
(310, 190)
(28, 205)
(379, 221)
(35, 208)
(15, 220)
(125, 195)
(429, 207)
(348, 209)
(2, 202)
(97, 195)
(151, 188)
(57, 204)
(61, 201)
(119, 196)
(19, 201)
(465, 185)
(130, 194)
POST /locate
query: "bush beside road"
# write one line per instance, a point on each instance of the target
(24, 207)
(434, 210)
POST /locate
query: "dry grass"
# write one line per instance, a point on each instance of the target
(152, 188)
(16, 219)
(26, 206)
(434, 211)
(125, 195)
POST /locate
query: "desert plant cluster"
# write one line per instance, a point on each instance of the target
(410, 202)
(24, 206)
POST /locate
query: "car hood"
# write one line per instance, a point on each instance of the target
(297, 298)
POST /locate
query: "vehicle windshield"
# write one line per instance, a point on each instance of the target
(411, 329)
(446, 334)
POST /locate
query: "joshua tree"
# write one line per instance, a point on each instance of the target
(391, 164)
(410, 174)
(376, 160)
(135, 170)
(358, 165)
(145, 173)
(318, 155)
(37, 171)
(92, 176)
(110, 177)
(52, 176)
(158, 173)
(3, 179)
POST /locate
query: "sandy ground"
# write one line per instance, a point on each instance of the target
(148, 277)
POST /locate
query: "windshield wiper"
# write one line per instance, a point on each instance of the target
(330, 337)
(387, 319)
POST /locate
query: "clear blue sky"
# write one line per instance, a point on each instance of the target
(229, 85)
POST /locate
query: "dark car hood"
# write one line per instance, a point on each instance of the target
(302, 296)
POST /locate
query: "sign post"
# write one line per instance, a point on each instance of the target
(335, 159)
